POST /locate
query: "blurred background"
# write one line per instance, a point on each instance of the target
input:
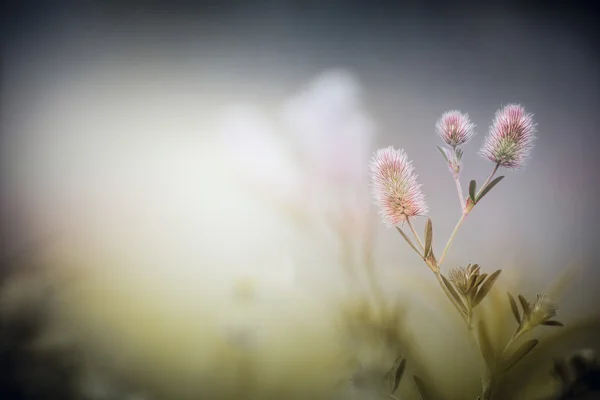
(76, 75)
(412, 60)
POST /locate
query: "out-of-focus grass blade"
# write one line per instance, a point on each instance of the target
(514, 308)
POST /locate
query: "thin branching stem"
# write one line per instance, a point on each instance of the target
(452, 236)
(490, 386)
(415, 234)
(489, 179)
(513, 339)
(455, 174)
(466, 211)
(459, 190)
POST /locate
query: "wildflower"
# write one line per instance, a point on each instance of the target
(541, 311)
(455, 128)
(511, 137)
(471, 285)
(395, 187)
(464, 279)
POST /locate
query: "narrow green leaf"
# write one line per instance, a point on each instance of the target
(552, 323)
(454, 294)
(443, 151)
(472, 188)
(421, 388)
(520, 353)
(396, 374)
(525, 306)
(489, 187)
(485, 287)
(428, 237)
(409, 241)
(472, 284)
(514, 308)
(487, 351)
(480, 279)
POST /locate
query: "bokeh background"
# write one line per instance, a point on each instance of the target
(413, 61)
(85, 84)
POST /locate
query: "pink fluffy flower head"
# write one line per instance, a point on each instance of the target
(455, 128)
(511, 137)
(395, 187)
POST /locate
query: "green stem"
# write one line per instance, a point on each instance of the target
(513, 339)
(455, 173)
(459, 190)
(452, 236)
(415, 234)
(488, 180)
(490, 386)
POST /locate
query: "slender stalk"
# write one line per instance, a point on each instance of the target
(488, 389)
(452, 236)
(416, 235)
(455, 172)
(459, 190)
(513, 339)
(466, 211)
(488, 180)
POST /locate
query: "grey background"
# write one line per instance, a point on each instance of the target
(414, 62)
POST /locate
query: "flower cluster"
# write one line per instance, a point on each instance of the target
(455, 128)
(395, 186)
(511, 137)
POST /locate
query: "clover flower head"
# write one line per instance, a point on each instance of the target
(511, 137)
(465, 278)
(542, 310)
(395, 187)
(455, 128)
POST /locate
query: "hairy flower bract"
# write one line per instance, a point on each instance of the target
(511, 137)
(395, 187)
(455, 128)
